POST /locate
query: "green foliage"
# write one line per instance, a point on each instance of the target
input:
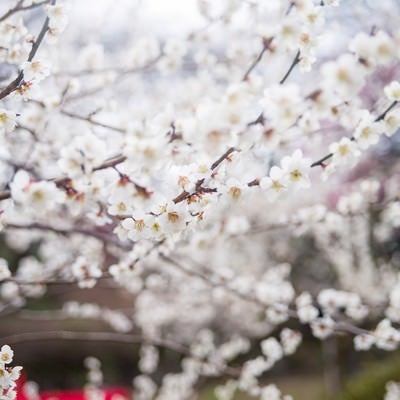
(370, 383)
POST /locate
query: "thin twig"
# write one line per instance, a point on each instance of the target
(92, 121)
(18, 8)
(222, 158)
(339, 326)
(296, 60)
(86, 231)
(380, 117)
(112, 162)
(266, 46)
(14, 85)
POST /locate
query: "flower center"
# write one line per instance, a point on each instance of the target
(295, 175)
(38, 195)
(343, 150)
(276, 185)
(139, 225)
(5, 358)
(235, 192)
(156, 227)
(173, 217)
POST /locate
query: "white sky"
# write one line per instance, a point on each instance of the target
(161, 16)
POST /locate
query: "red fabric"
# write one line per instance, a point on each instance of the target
(79, 394)
(20, 383)
(68, 394)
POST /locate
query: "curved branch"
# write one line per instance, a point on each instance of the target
(266, 46)
(14, 85)
(102, 236)
(296, 60)
(19, 7)
(380, 117)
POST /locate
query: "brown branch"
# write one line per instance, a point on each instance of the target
(122, 74)
(120, 70)
(380, 117)
(205, 278)
(14, 85)
(321, 160)
(259, 120)
(86, 231)
(5, 194)
(51, 282)
(199, 188)
(296, 60)
(112, 162)
(266, 46)
(91, 121)
(181, 197)
(18, 8)
(224, 156)
(339, 326)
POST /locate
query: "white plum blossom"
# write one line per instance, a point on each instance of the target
(234, 189)
(392, 91)
(4, 270)
(145, 387)
(345, 152)
(42, 196)
(322, 327)
(377, 49)
(275, 183)
(35, 70)
(290, 340)
(367, 131)
(343, 76)
(364, 342)
(148, 359)
(7, 121)
(272, 349)
(391, 122)
(392, 391)
(6, 354)
(385, 49)
(8, 375)
(282, 105)
(271, 392)
(296, 169)
(307, 313)
(86, 273)
(82, 155)
(387, 337)
(137, 226)
(174, 218)
(58, 18)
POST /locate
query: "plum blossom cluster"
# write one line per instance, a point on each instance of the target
(392, 391)
(272, 351)
(117, 320)
(8, 375)
(219, 184)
